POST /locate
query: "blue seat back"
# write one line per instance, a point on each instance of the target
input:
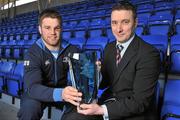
(19, 70)
(110, 35)
(95, 33)
(7, 67)
(175, 54)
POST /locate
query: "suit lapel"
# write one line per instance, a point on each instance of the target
(128, 55)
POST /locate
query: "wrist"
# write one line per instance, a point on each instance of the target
(101, 111)
(105, 112)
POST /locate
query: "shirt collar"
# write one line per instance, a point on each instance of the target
(126, 44)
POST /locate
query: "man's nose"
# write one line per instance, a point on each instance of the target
(119, 27)
(52, 31)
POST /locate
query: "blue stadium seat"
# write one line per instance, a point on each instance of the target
(95, 33)
(97, 23)
(32, 28)
(15, 81)
(5, 69)
(160, 24)
(9, 49)
(96, 44)
(139, 29)
(140, 2)
(163, 8)
(18, 48)
(78, 41)
(66, 35)
(145, 10)
(110, 35)
(18, 36)
(64, 24)
(2, 81)
(3, 30)
(107, 22)
(83, 25)
(100, 13)
(177, 23)
(80, 34)
(171, 104)
(147, 6)
(3, 50)
(26, 37)
(70, 26)
(18, 52)
(28, 43)
(11, 37)
(5, 37)
(142, 24)
(175, 53)
(144, 13)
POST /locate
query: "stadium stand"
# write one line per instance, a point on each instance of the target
(171, 108)
(86, 24)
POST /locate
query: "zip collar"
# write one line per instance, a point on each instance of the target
(63, 47)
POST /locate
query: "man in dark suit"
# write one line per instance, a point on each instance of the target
(129, 74)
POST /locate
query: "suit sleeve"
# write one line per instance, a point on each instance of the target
(146, 75)
(33, 79)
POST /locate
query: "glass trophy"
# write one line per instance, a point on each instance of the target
(84, 74)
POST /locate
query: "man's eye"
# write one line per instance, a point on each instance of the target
(126, 22)
(46, 27)
(58, 28)
(114, 22)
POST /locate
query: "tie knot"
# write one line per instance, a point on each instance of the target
(120, 47)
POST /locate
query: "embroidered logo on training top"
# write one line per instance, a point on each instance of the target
(26, 63)
(47, 62)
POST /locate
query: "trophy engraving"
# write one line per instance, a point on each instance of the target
(84, 74)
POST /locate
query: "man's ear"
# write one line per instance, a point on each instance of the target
(39, 27)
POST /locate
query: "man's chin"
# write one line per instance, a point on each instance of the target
(120, 39)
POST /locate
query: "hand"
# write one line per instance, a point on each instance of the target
(90, 109)
(71, 95)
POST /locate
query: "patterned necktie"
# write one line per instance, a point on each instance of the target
(119, 48)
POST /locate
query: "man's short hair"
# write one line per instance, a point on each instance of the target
(124, 5)
(49, 13)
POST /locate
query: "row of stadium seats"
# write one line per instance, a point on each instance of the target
(15, 49)
(171, 102)
(157, 24)
(100, 18)
(162, 27)
(11, 78)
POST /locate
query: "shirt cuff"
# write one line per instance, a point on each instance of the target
(57, 94)
(105, 116)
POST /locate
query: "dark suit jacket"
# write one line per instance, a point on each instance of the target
(132, 83)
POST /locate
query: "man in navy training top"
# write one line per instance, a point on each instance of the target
(45, 77)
